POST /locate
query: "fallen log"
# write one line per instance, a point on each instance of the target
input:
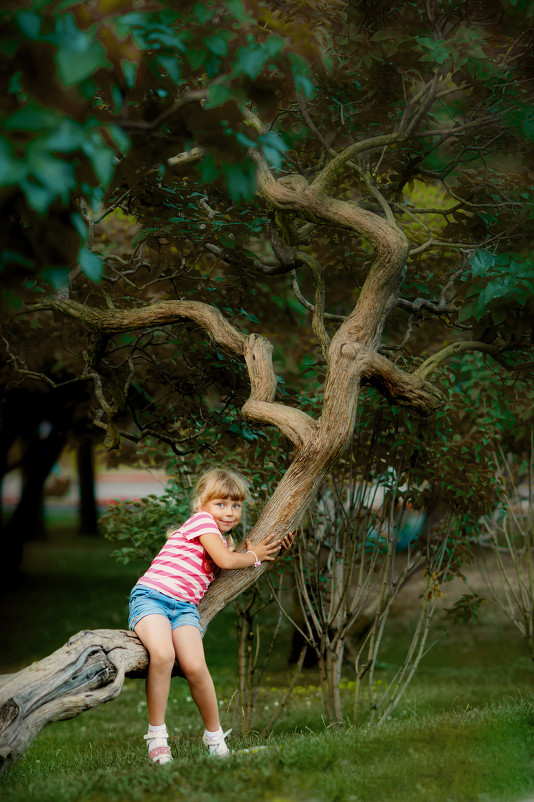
(84, 673)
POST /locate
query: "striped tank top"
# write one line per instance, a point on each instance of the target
(183, 569)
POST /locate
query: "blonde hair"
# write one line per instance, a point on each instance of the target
(219, 483)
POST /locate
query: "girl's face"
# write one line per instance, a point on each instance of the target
(226, 511)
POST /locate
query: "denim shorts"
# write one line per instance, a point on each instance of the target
(146, 601)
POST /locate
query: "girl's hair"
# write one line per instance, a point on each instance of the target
(219, 483)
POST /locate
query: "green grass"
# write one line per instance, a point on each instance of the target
(480, 754)
(464, 730)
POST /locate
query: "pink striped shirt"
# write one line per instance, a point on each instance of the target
(183, 569)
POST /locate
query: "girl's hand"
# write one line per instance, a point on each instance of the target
(270, 547)
(265, 550)
(287, 541)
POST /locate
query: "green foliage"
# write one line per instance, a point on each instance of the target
(84, 83)
(140, 527)
(465, 609)
(503, 285)
(93, 178)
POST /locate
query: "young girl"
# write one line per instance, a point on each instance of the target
(164, 604)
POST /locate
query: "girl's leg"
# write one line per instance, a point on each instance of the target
(154, 632)
(189, 650)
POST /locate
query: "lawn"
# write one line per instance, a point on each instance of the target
(464, 730)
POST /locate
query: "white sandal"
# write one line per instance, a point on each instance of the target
(158, 748)
(216, 744)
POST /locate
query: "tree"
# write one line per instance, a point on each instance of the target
(66, 69)
(444, 95)
(376, 155)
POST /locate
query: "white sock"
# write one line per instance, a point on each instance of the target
(158, 729)
(156, 736)
(209, 734)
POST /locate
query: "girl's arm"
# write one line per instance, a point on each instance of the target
(267, 549)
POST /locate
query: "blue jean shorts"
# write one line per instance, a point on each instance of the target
(146, 601)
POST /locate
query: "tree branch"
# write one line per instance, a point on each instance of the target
(398, 386)
(493, 350)
(260, 408)
(162, 313)
(327, 174)
(318, 308)
(187, 157)
(307, 305)
(381, 286)
(194, 96)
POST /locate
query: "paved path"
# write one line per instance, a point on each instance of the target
(109, 486)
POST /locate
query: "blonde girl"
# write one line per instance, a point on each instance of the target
(164, 603)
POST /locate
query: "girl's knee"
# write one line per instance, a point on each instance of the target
(162, 656)
(194, 668)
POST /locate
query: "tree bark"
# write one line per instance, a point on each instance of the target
(87, 671)
(27, 520)
(88, 515)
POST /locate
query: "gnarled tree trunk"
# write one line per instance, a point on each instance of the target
(90, 669)
(84, 673)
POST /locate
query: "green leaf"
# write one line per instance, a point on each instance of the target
(163, 35)
(273, 147)
(273, 45)
(68, 136)
(435, 50)
(171, 65)
(481, 262)
(496, 289)
(101, 156)
(218, 94)
(15, 85)
(129, 70)
(465, 313)
(196, 57)
(79, 224)
(127, 22)
(208, 169)
(243, 139)
(91, 264)
(241, 179)
(301, 75)
(56, 276)
(250, 60)
(12, 257)
(78, 54)
(12, 169)
(32, 117)
(121, 140)
(39, 198)
(236, 8)
(202, 13)
(250, 316)
(217, 45)
(53, 173)
(30, 24)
